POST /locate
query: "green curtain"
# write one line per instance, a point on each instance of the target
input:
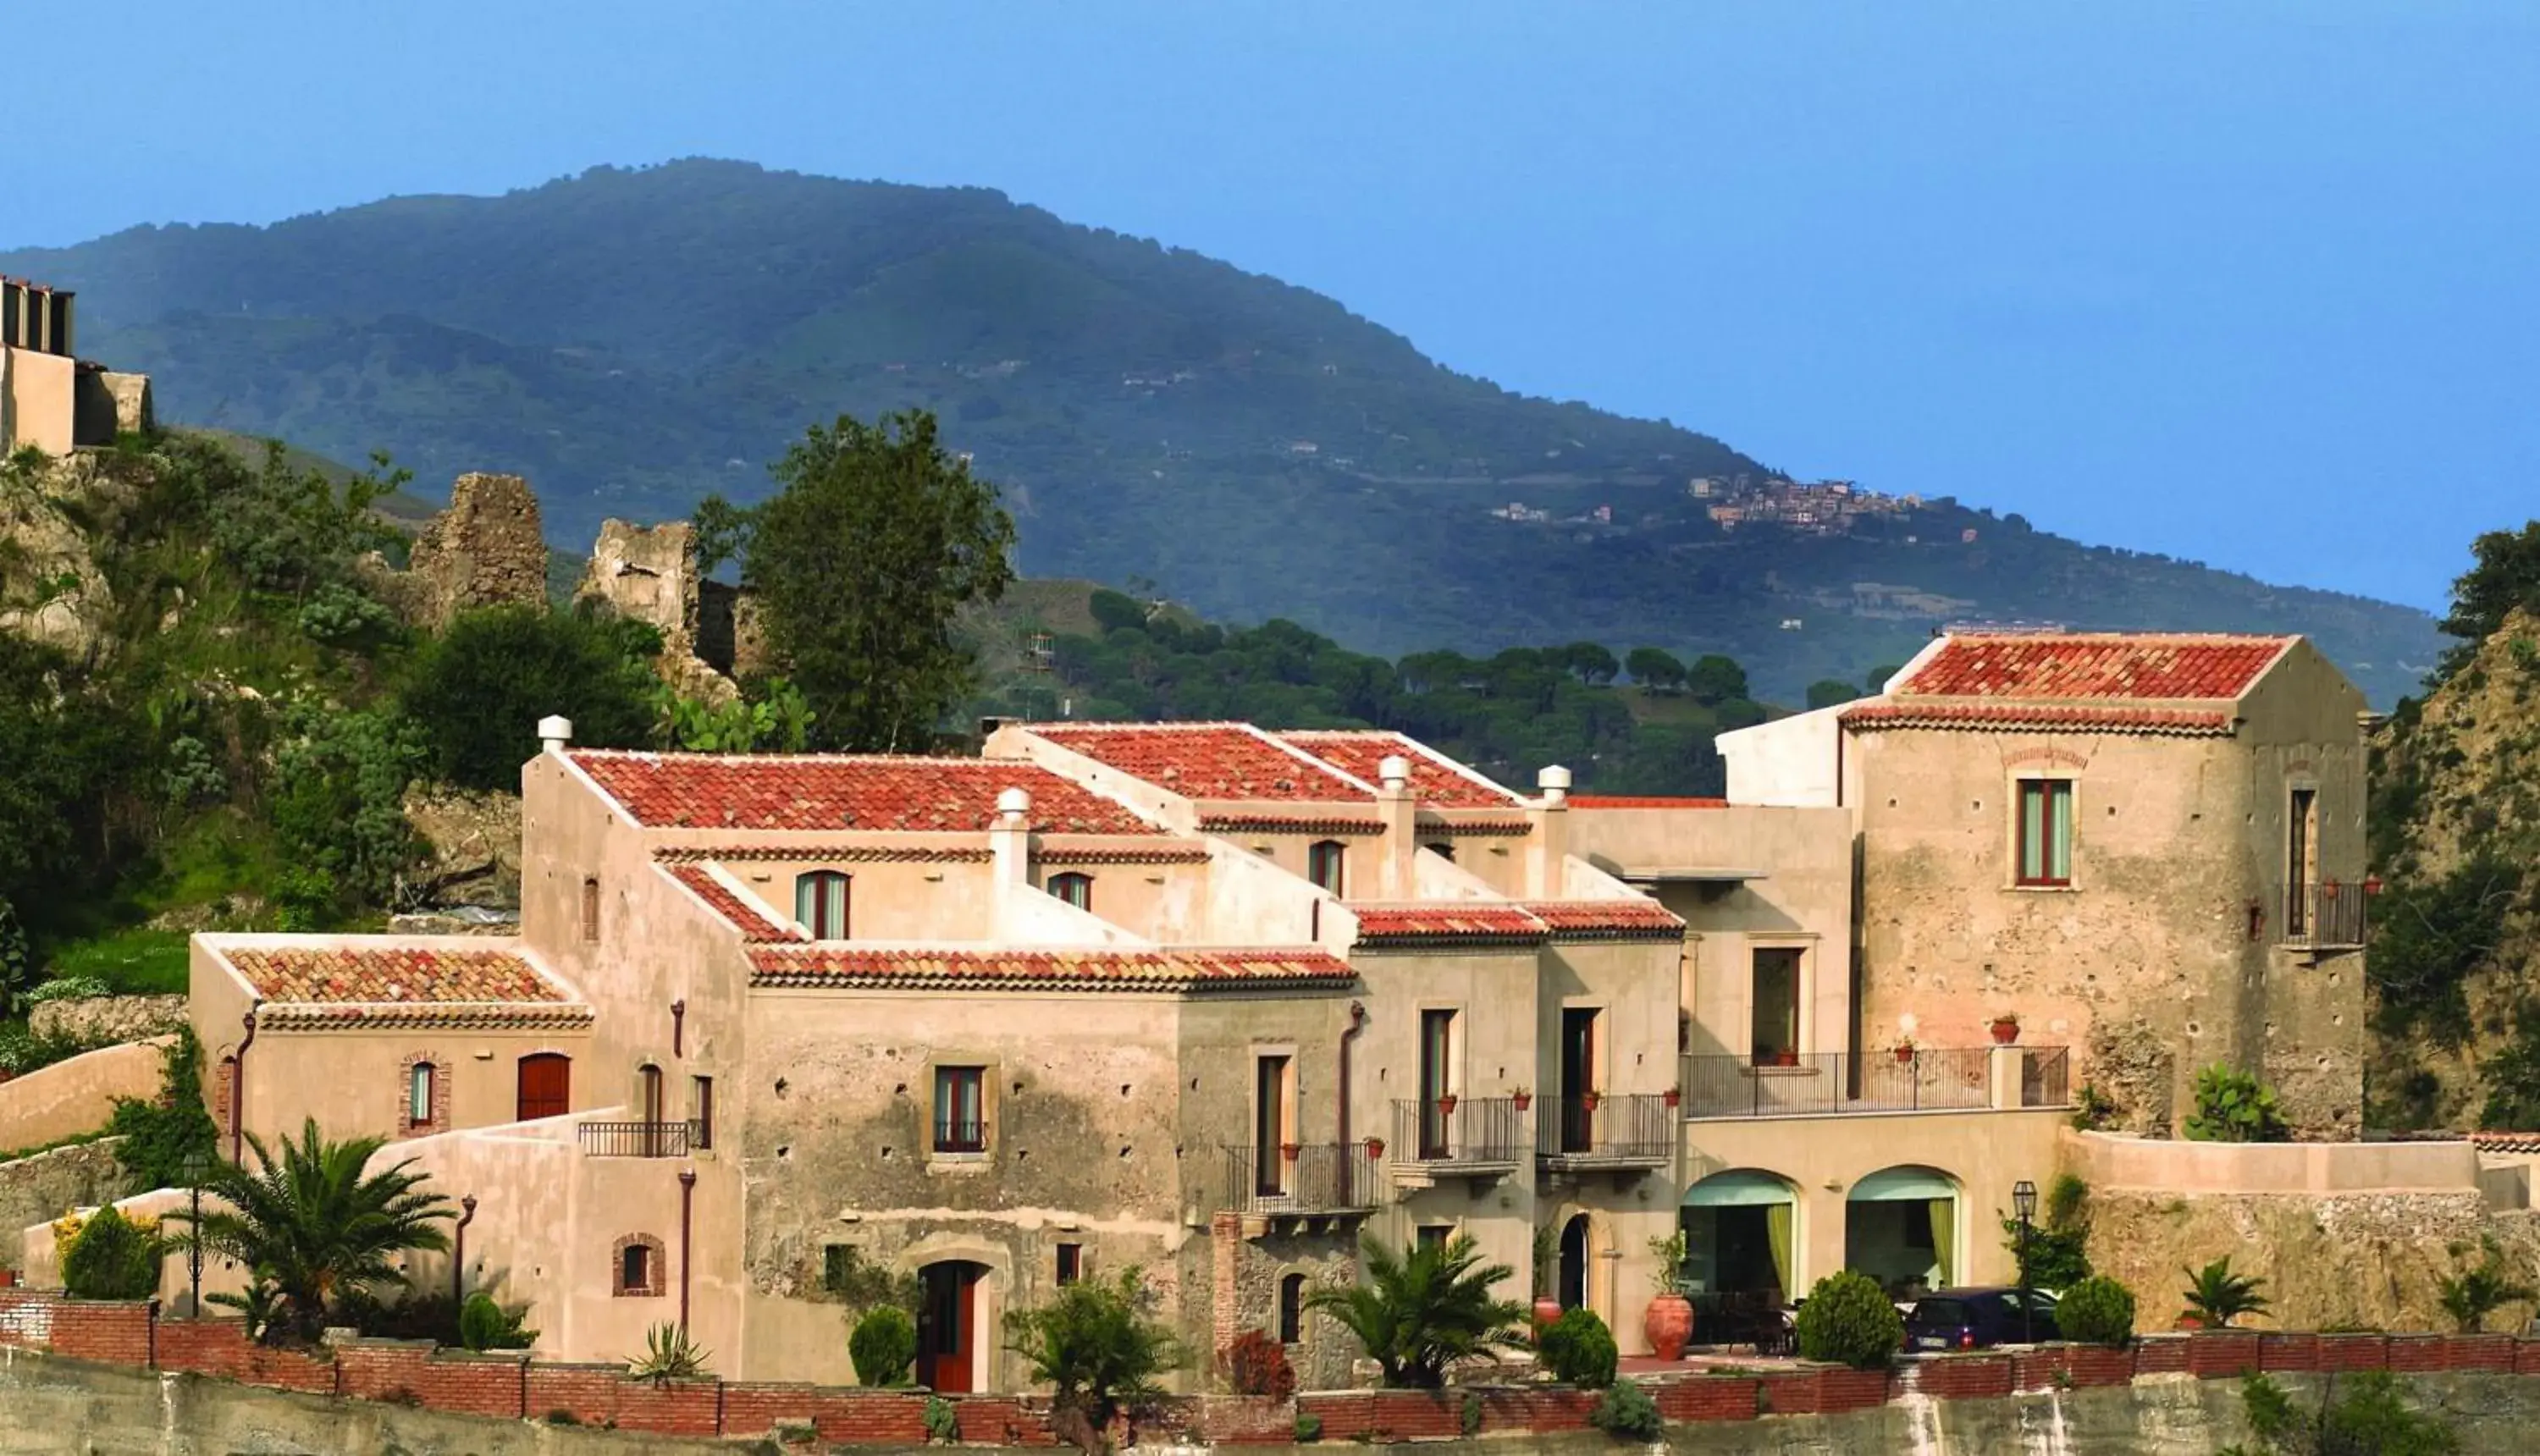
(1777, 1232)
(1945, 1239)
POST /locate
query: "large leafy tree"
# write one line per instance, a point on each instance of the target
(480, 688)
(313, 1226)
(1419, 1311)
(2506, 576)
(875, 539)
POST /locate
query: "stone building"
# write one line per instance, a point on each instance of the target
(49, 397)
(2149, 845)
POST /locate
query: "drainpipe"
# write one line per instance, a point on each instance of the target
(687, 1199)
(678, 1027)
(1341, 1078)
(459, 1250)
(237, 1085)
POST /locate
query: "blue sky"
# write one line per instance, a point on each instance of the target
(2249, 284)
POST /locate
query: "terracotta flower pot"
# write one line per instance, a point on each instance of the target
(1288, 1150)
(1674, 1096)
(2006, 1030)
(1446, 1104)
(1546, 1310)
(2190, 1322)
(1375, 1148)
(1904, 1055)
(1523, 1101)
(1589, 1101)
(1668, 1324)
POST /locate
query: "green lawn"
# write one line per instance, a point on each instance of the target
(133, 962)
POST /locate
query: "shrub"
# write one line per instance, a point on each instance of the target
(1256, 1365)
(1469, 1417)
(112, 1258)
(2470, 1297)
(1419, 1310)
(943, 1420)
(2367, 1415)
(479, 688)
(669, 1355)
(1096, 1347)
(1849, 1320)
(2057, 1254)
(1578, 1350)
(163, 1138)
(485, 1324)
(69, 988)
(1310, 1428)
(2097, 1311)
(2215, 1295)
(2234, 1107)
(883, 1345)
(1626, 1411)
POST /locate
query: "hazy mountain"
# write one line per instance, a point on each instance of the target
(631, 339)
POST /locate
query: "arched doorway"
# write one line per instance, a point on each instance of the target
(1900, 1228)
(1740, 1230)
(950, 1342)
(1574, 1263)
(545, 1086)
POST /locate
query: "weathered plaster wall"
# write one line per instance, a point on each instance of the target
(77, 1096)
(40, 1189)
(43, 393)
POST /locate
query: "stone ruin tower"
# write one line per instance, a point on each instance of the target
(709, 630)
(486, 550)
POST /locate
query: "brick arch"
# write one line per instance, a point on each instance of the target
(657, 1266)
(442, 1073)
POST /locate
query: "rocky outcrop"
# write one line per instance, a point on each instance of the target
(473, 840)
(51, 590)
(101, 1020)
(2135, 1069)
(486, 550)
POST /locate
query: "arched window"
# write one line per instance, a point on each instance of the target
(820, 904)
(1075, 889)
(1325, 864)
(1292, 1308)
(590, 909)
(418, 1093)
(636, 1268)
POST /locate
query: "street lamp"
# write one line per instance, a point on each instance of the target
(2023, 1202)
(198, 1165)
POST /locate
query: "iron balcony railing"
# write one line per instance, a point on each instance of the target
(1459, 1131)
(1901, 1080)
(1631, 1129)
(638, 1139)
(2327, 913)
(1301, 1178)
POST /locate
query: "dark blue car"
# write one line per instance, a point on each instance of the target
(1978, 1319)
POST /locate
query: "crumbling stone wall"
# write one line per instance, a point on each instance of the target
(2132, 1066)
(1249, 1261)
(486, 550)
(99, 1020)
(649, 574)
(474, 839)
(40, 1189)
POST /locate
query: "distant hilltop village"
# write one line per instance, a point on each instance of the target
(51, 398)
(1821, 508)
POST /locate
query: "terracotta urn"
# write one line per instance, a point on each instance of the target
(1446, 1104)
(1674, 1096)
(1668, 1324)
(1904, 1053)
(1546, 1310)
(1523, 1101)
(1589, 1101)
(2006, 1030)
(1375, 1148)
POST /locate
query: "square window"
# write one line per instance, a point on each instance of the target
(1071, 1262)
(2044, 832)
(959, 1109)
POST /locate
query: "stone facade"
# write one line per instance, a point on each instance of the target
(649, 574)
(40, 1189)
(486, 550)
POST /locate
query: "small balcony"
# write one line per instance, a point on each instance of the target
(2326, 916)
(1902, 1079)
(1301, 1178)
(1455, 1136)
(1590, 1131)
(638, 1139)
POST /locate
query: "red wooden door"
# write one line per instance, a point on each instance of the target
(546, 1086)
(947, 1326)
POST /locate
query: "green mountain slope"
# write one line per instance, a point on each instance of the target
(632, 339)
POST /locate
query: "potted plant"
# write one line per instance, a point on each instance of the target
(1905, 1052)
(1669, 1320)
(1523, 1098)
(1589, 1099)
(1288, 1150)
(1375, 1148)
(1672, 1096)
(1447, 1103)
(2006, 1029)
(1547, 1263)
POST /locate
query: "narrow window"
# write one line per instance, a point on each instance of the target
(1270, 1136)
(1777, 1006)
(2046, 831)
(820, 904)
(1292, 1308)
(635, 1268)
(2301, 860)
(1579, 1079)
(418, 1095)
(590, 909)
(837, 1267)
(1075, 889)
(1326, 864)
(1437, 1043)
(702, 1112)
(1071, 1262)
(958, 1125)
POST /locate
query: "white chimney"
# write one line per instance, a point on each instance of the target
(1014, 805)
(555, 732)
(1394, 771)
(1547, 848)
(1554, 781)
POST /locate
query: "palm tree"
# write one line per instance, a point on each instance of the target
(2215, 1295)
(312, 1226)
(1415, 1315)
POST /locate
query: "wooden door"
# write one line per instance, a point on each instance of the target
(546, 1086)
(947, 1326)
(1578, 1078)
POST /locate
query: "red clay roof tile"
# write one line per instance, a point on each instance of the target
(1436, 782)
(2112, 665)
(372, 974)
(1446, 920)
(1208, 760)
(1610, 919)
(843, 792)
(737, 911)
(2038, 718)
(1072, 969)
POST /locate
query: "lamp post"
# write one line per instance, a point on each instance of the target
(2023, 1202)
(198, 1164)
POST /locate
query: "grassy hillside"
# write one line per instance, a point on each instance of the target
(633, 339)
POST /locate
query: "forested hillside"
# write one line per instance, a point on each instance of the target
(633, 340)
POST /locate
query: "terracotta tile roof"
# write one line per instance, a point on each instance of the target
(2096, 666)
(843, 792)
(1436, 781)
(1272, 824)
(1209, 760)
(1607, 920)
(1070, 969)
(826, 854)
(736, 909)
(373, 974)
(518, 1016)
(1642, 802)
(1118, 855)
(2039, 718)
(2524, 1143)
(1460, 920)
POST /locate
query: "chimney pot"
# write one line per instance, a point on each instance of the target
(554, 732)
(1554, 781)
(1013, 803)
(1394, 771)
